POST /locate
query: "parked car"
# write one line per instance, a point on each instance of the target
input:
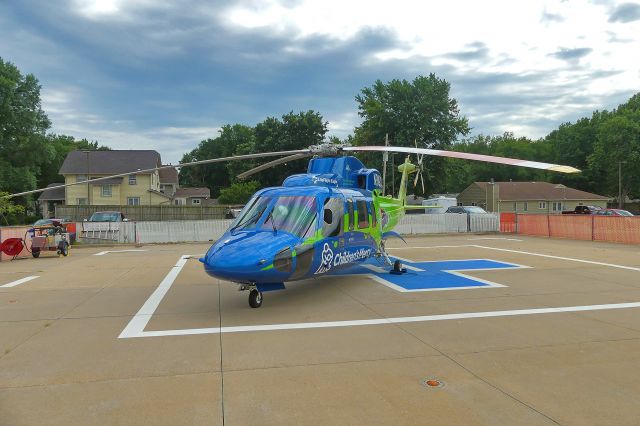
(108, 217)
(613, 212)
(466, 209)
(583, 210)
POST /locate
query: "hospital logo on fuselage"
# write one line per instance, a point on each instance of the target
(329, 259)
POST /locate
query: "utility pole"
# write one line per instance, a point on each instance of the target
(620, 202)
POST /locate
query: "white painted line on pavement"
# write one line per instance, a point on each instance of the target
(380, 321)
(102, 253)
(571, 259)
(141, 319)
(20, 281)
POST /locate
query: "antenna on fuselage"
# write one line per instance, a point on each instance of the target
(385, 158)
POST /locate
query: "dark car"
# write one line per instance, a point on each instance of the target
(466, 209)
(613, 212)
(108, 216)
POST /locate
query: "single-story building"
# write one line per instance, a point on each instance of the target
(527, 197)
(191, 196)
(49, 199)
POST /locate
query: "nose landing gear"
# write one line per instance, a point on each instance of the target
(255, 298)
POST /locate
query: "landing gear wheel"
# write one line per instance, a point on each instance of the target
(397, 268)
(255, 298)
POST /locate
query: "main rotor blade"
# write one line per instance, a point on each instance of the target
(192, 163)
(265, 166)
(468, 156)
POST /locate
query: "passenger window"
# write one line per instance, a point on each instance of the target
(332, 217)
(352, 220)
(363, 214)
(374, 220)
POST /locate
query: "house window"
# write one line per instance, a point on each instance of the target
(525, 207)
(460, 204)
(133, 201)
(106, 190)
(515, 207)
(542, 205)
(81, 178)
(195, 201)
(82, 201)
(177, 202)
(557, 206)
(474, 204)
(132, 180)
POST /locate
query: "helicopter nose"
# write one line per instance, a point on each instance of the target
(261, 258)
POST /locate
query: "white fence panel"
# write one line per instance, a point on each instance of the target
(207, 230)
(484, 223)
(180, 231)
(432, 224)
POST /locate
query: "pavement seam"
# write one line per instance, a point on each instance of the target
(117, 379)
(221, 352)
(555, 345)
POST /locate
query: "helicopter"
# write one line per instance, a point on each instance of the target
(331, 217)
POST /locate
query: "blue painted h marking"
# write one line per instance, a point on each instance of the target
(432, 275)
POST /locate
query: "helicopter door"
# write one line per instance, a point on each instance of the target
(333, 215)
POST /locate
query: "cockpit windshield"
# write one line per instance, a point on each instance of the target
(294, 214)
(250, 215)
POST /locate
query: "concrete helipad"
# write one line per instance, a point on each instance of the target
(145, 336)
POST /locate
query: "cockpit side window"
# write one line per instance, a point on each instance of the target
(332, 217)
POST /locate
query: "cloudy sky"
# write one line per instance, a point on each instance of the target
(152, 74)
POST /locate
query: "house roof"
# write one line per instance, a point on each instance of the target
(109, 162)
(517, 191)
(168, 175)
(52, 194)
(192, 192)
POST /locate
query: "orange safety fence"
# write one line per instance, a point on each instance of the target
(14, 232)
(617, 229)
(508, 222)
(577, 227)
(533, 224)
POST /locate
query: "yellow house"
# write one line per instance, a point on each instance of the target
(135, 189)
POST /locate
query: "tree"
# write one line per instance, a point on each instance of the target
(238, 193)
(294, 131)
(419, 112)
(233, 139)
(8, 209)
(22, 130)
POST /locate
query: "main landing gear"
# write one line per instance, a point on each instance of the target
(398, 269)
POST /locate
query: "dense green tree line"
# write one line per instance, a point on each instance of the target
(419, 112)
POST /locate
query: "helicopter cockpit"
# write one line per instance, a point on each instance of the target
(294, 214)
